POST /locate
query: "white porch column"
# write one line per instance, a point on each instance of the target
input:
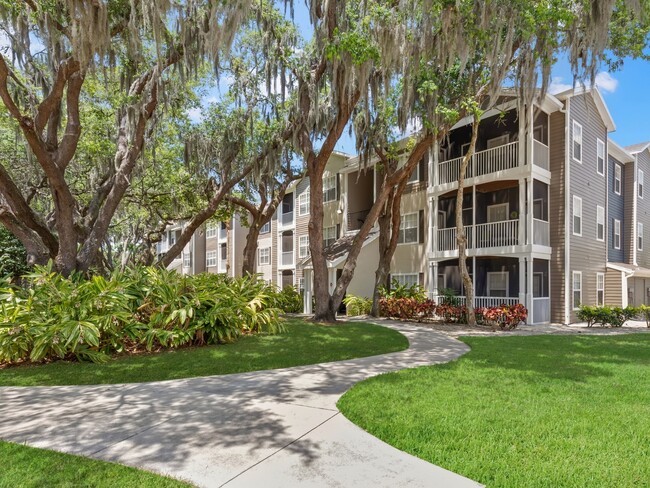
(474, 275)
(521, 149)
(331, 277)
(521, 233)
(434, 279)
(529, 289)
(522, 280)
(307, 276)
(474, 243)
(434, 226)
(433, 170)
(529, 212)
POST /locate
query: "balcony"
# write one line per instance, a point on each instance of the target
(541, 232)
(493, 234)
(287, 258)
(493, 160)
(223, 266)
(479, 302)
(540, 155)
(286, 218)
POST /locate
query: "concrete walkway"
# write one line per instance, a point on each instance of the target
(277, 428)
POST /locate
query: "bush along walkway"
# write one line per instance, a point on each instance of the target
(272, 428)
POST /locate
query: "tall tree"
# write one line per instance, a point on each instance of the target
(54, 46)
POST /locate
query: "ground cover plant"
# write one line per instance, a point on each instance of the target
(570, 411)
(302, 343)
(148, 308)
(28, 467)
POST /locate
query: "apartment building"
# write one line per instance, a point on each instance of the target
(216, 247)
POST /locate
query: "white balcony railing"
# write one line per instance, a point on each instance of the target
(223, 265)
(479, 302)
(493, 234)
(286, 218)
(287, 258)
(493, 160)
(541, 232)
(540, 155)
(541, 310)
(497, 234)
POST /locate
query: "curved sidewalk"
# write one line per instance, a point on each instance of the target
(276, 428)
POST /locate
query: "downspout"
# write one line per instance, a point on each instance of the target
(567, 201)
(635, 170)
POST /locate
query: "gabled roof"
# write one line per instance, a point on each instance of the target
(637, 148)
(622, 155)
(337, 252)
(598, 100)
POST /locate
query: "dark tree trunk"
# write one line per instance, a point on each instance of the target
(250, 250)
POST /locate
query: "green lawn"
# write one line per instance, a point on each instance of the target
(27, 467)
(545, 411)
(303, 343)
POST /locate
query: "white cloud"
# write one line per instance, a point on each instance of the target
(557, 85)
(195, 114)
(606, 82)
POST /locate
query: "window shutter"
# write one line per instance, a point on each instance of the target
(421, 227)
(423, 168)
(338, 186)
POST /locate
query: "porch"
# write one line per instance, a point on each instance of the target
(497, 147)
(497, 281)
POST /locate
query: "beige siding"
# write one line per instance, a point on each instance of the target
(557, 214)
(643, 209)
(613, 288)
(588, 255)
(363, 281)
(412, 258)
(629, 194)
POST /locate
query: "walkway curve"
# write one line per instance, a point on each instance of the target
(276, 428)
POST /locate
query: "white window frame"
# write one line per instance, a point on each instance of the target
(211, 231)
(187, 259)
(640, 184)
(491, 208)
(639, 236)
(600, 148)
(498, 141)
(600, 289)
(329, 184)
(329, 234)
(264, 258)
(303, 246)
(211, 258)
(574, 290)
(617, 179)
(577, 202)
(600, 223)
(574, 141)
(414, 177)
(303, 203)
(491, 274)
(617, 234)
(266, 228)
(301, 285)
(406, 278)
(401, 239)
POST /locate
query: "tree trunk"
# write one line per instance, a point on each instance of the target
(461, 238)
(250, 250)
(323, 310)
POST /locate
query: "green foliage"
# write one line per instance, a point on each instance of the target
(289, 300)
(608, 316)
(13, 257)
(448, 297)
(141, 308)
(356, 306)
(398, 290)
(644, 311)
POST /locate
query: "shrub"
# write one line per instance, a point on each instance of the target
(290, 300)
(398, 290)
(13, 257)
(505, 317)
(448, 297)
(644, 311)
(406, 308)
(451, 313)
(357, 305)
(142, 308)
(608, 316)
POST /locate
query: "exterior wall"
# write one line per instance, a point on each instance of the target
(198, 251)
(629, 196)
(614, 287)
(639, 291)
(557, 156)
(363, 281)
(587, 254)
(210, 246)
(615, 210)
(643, 210)
(237, 247)
(302, 223)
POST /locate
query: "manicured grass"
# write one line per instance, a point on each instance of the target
(27, 467)
(303, 343)
(545, 411)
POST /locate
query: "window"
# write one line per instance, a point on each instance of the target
(577, 289)
(617, 179)
(408, 229)
(329, 189)
(211, 231)
(329, 236)
(617, 234)
(187, 259)
(303, 246)
(600, 289)
(211, 258)
(224, 251)
(303, 203)
(172, 237)
(497, 283)
(600, 157)
(265, 256)
(640, 184)
(498, 141)
(301, 285)
(577, 216)
(600, 223)
(577, 142)
(639, 232)
(406, 279)
(266, 228)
